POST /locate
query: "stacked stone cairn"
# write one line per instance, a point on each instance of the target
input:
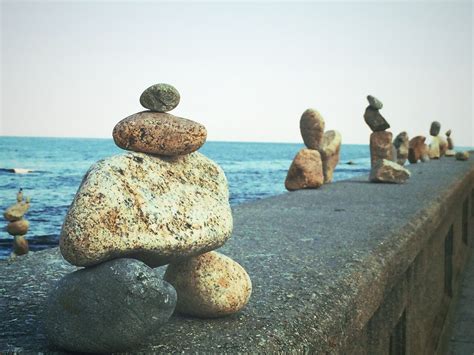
(18, 225)
(314, 166)
(438, 144)
(161, 203)
(383, 153)
(450, 151)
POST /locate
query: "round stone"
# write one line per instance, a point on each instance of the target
(374, 102)
(159, 134)
(112, 307)
(209, 285)
(312, 128)
(19, 227)
(435, 128)
(160, 98)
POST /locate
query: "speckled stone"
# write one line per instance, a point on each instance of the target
(401, 144)
(160, 98)
(312, 128)
(306, 171)
(374, 102)
(416, 149)
(329, 151)
(435, 128)
(375, 120)
(19, 227)
(462, 155)
(149, 208)
(16, 211)
(209, 285)
(111, 307)
(389, 171)
(380, 146)
(159, 133)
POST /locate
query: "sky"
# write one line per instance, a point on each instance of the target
(247, 71)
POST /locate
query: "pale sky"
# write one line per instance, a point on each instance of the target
(246, 71)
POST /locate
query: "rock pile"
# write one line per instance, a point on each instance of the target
(382, 151)
(438, 144)
(18, 225)
(450, 149)
(161, 203)
(313, 166)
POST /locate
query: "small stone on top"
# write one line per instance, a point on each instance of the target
(160, 98)
(374, 102)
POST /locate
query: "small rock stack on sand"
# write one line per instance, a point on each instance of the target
(18, 225)
(313, 166)
(161, 203)
(382, 151)
(450, 151)
(438, 144)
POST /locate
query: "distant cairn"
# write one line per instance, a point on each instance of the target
(314, 166)
(160, 203)
(18, 226)
(438, 145)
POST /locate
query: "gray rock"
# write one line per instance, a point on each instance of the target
(375, 120)
(389, 171)
(462, 155)
(160, 98)
(112, 307)
(401, 144)
(435, 128)
(374, 102)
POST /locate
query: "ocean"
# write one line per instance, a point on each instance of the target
(253, 170)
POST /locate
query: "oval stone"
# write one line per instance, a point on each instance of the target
(435, 128)
(160, 98)
(159, 134)
(19, 227)
(312, 128)
(154, 209)
(112, 307)
(209, 285)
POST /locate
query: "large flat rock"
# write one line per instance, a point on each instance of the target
(320, 262)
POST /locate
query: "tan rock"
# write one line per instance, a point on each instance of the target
(312, 128)
(401, 144)
(20, 245)
(306, 171)
(149, 208)
(450, 153)
(417, 149)
(16, 211)
(330, 148)
(449, 140)
(437, 147)
(380, 146)
(209, 285)
(389, 171)
(19, 227)
(159, 134)
(462, 155)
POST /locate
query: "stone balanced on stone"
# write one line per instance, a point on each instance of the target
(438, 144)
(18, 225)
(313, 166)
(382, 152)
(161, 203)
(450, 150)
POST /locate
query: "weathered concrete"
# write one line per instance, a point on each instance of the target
(353, 267)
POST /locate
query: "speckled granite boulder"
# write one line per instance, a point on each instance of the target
(330, 148)
(19, 227)
(401, 144)
(159, 133)
(16, 211)
(462, 155)
(375, 120)
(435, 128)
(374, 102)
(380, 146)
(417, 150)
(312, 128)
(209, 285)
(149, 208)
(389, 171)
(160, 98)
(306, 171)
(111, 307)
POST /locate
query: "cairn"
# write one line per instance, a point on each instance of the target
(314, 166)
(18, 225)
(438, 144)
(161, 203)
(450, 151)
(382, 152)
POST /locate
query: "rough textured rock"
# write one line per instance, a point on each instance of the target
(374, 102)
(435, 128)
(401, 144)
(375, 120)
(380, 146)
(159, 133)
(306, 171)
(16, 211)
(389, 171)
(330, 148)
(160, 98)
(462, 155)
(209, 285)
(19, 227)
(417, 149)
(149, 208)
(312, 128)
(111, 307)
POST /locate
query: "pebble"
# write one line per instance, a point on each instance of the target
(380, 146)
(389, 171)
(19, 227)
(435, 128)
(209, 285)
(330, 149)
(159, 134)
(112, 307)
(153, 209)
(401, 144)
(306, 171)
(312, 128)
(160, 98)
(374, 102)
(462, 155)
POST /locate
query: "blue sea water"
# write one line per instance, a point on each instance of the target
(253, 170)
